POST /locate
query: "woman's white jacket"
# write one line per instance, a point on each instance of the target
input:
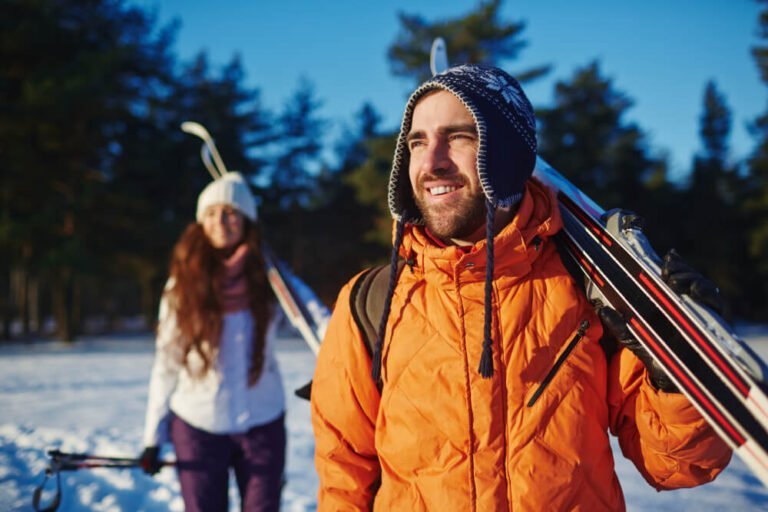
(219, 401)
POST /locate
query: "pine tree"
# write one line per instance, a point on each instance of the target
(715, 237)
(337, 223)
(479, 37)
(294, 164)
(74, 75)
(756, 206)
(585, 137)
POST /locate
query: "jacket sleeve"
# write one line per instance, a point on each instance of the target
(163, 379)
(671, 444)
(345, 402)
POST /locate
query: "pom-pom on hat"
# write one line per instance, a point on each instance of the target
(506, 128)
(230, 189)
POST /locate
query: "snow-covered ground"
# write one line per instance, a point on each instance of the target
(90, 397)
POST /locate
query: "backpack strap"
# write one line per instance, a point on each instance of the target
(366, 302)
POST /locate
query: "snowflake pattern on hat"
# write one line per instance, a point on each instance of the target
(499, 84)
(511, 94)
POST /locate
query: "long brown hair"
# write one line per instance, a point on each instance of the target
(196, 295)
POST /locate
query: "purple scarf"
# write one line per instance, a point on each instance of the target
(234, 287)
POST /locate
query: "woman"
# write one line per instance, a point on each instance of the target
(215, 387)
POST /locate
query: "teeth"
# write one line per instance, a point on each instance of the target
(438, 191)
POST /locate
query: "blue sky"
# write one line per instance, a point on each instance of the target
(658, 52)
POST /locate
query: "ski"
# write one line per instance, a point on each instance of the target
(300, 305)
(295, 304)
(717, 372)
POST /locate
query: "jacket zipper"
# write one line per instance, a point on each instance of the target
(583, 326)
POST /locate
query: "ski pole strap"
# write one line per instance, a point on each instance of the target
(37, 495)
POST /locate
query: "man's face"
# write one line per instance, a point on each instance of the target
(443, 153)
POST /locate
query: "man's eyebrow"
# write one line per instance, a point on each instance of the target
(457, 128)
(418, 134)
(445, 130)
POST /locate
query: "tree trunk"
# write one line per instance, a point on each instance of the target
(21, 296)
(76, 306)
(63, 295)
(148, 302)
(33, 296)
(5, 306)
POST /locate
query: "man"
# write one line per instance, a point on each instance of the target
(490, 389)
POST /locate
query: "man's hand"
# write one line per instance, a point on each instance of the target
(683, 280)
(686, 281)
(615, 326)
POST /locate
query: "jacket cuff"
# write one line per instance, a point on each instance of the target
(675, 408)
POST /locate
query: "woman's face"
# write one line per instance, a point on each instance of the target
(223, 225)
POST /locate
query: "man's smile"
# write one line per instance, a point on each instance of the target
(439, 190)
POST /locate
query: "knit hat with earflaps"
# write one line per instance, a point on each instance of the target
(506, 156)
(506, 130)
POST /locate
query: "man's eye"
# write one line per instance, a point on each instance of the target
(415, 144)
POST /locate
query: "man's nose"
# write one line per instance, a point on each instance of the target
(437, 158)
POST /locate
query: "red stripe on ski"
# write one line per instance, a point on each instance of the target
(585, 219)
(756, 456)
(757, 404)
(703, 400)
(736, 379)
(585, 264)
(278, 283)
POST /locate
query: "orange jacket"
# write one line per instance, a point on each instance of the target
(439, 437)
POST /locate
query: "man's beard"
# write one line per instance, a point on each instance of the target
(458, 220)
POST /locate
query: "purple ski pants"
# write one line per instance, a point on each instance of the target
(204, 459)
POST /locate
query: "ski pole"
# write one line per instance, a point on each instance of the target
(62, 461)
(72, 457)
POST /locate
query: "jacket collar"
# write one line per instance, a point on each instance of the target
(516, 246)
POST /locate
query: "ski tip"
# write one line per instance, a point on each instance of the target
(196, 129)
(438, 56)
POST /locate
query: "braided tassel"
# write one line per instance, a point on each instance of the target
(376, 360)
(486, 360)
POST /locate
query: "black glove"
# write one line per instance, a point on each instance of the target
(149, 460)
(615, 326)
(685, 280)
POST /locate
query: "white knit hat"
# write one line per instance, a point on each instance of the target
(230, 189)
